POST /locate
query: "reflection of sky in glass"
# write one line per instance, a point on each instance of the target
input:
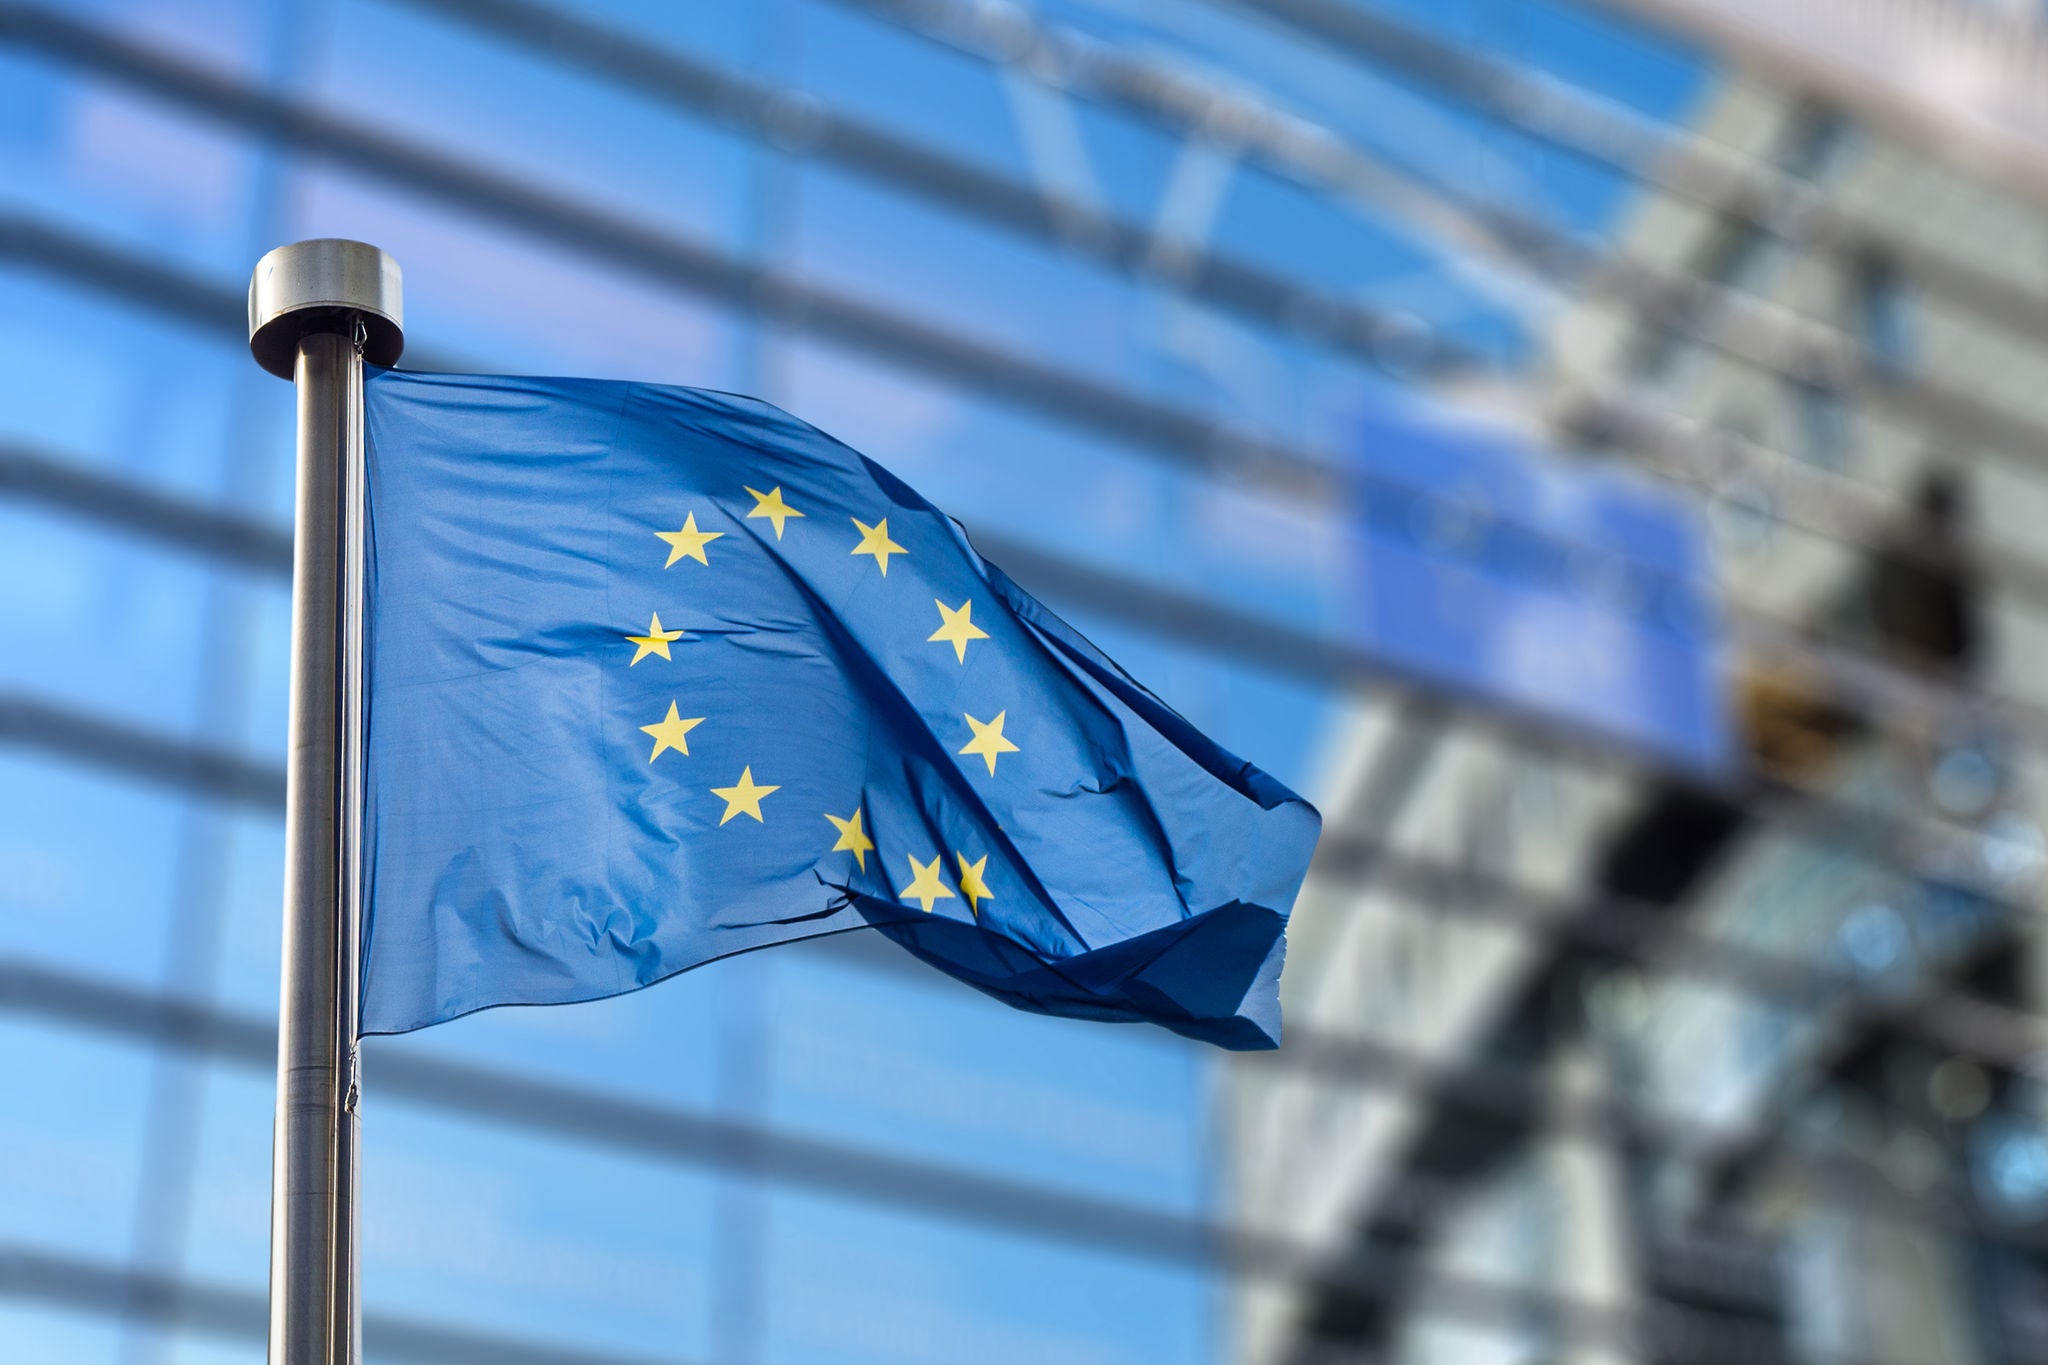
(502, 1228)
(2012, 1167)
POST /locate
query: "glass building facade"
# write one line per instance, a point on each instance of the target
(1712, 1073)
(1119, 285)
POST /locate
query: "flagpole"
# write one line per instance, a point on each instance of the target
(317, 310)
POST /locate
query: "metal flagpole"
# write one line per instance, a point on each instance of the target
(317, 311)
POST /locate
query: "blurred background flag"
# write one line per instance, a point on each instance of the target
(1494, 569)
(658, 675)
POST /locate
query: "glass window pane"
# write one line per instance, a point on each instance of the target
(70, 1179)
(88, 868)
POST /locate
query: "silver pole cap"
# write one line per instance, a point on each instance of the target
(325, 285)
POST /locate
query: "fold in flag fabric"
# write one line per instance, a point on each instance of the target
(657, 675)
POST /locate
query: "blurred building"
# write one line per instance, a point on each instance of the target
(1593, 1053)
(1678, 1071)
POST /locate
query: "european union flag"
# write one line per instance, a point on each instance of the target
(657, 675)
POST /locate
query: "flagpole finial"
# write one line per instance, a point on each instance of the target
(326, 284)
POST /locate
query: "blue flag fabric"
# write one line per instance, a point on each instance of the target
(658, 675)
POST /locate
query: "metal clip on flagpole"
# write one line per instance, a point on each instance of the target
(317, 311)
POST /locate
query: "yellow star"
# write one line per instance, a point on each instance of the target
(988, 740)
(655, 641)
(874, 540)
(971, 885)
(958, 629)
(688, 542)
(852, 839)
(771, 506)
(744, 797)
(669, 731)
(925, 886)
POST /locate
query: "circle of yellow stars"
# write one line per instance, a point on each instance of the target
(956, 628)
